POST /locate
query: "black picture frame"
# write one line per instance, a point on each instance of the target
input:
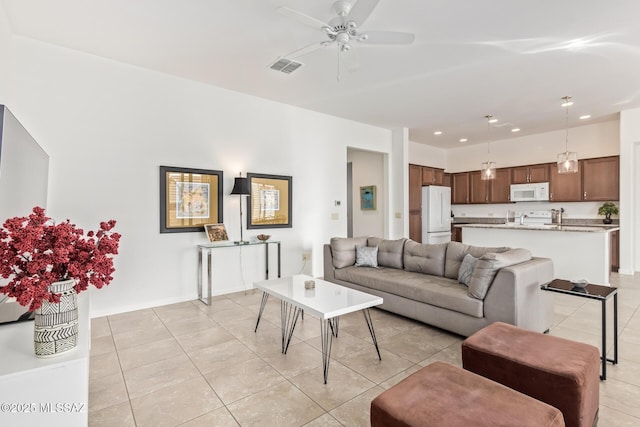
(270, 203)
(189, 199)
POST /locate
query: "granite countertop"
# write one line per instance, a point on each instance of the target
(584, 228)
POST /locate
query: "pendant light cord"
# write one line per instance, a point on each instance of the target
(566, 138)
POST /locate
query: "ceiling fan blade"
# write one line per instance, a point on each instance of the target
(302, 18)
(361, 11)
(305, 50)
(387, 37)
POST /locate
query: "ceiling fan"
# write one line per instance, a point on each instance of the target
(342, 31)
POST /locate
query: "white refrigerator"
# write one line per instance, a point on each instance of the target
(436, 214)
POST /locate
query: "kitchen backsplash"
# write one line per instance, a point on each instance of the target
(496, 213)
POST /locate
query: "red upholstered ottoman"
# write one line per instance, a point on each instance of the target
(563, 373)
(445, 395)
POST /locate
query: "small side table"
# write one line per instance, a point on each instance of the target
(205, 261)
(602, 294)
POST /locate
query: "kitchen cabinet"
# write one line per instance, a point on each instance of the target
(456, 234)
(415, 202)
(530, 173)
(460, 188)
(432, 176)
(500, 186)
(446, 181)
(564, 187)
(615, 251)
(601, 179)
(478, 189)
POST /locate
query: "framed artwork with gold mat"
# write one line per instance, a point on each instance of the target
(189, 199)
(269, 204)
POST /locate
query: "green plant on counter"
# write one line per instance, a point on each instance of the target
(607, 209)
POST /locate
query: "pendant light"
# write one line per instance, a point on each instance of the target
(488, 170)
(567, 161)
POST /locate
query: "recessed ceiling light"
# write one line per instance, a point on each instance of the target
(515, 130)
(493, 120)
(585, 117)
(567, 104)
(463, 139)
(438, 132)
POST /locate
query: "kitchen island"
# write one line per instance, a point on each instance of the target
(577, 251)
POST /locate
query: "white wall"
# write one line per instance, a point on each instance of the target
(108, 127)
(426, 155)
(5, 48)
(629, 191)
(594, 140)
(368, 169)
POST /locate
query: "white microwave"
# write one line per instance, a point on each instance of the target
(533, 192)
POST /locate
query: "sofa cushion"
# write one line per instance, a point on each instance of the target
(389, 251)
(487, 266)
(424, 258)
(343, 250)
(366, 256)
(456, 252)
(425, 288)
(466, 268)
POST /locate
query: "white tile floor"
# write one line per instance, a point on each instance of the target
(195, 365)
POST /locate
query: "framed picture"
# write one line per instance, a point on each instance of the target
(216, 232)
(269, 204)
(368, 198)
(189, 199)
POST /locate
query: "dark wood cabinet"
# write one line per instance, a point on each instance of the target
(456, 233)
(460, 188)
(478, 189)
(432, 176)
(601, 179)
(500, 187)
(530, 173)
(564, 187)
(415, 202)
(615, 251)
(446, 180)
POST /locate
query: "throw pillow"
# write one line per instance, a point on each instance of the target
(343, 250)
(366, 256)
(466, 268)
(487, 267)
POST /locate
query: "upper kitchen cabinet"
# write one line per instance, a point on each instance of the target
(460, 188)
(415, 187)
(478, 189)
(531, 173)
(446, 181)
(432, 176)
(601, 179)
(500, 186)
(564, 187)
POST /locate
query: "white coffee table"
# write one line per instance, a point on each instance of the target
(327, 301)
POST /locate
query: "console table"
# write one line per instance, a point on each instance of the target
(205, 261)
(599, 293)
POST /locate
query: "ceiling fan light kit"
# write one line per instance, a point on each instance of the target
(344, 29)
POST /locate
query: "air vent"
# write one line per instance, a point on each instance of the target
(285, 65)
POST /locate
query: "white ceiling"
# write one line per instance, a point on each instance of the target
(514, 59)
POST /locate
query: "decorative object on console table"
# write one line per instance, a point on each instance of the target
(607, 209)
(189, 199)
(270, 201)
(47, 264)
(216, 232)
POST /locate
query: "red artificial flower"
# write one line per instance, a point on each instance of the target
(35, 252)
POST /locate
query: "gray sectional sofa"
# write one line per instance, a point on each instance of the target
(421, 281)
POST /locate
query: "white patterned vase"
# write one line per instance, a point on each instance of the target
(56, 324)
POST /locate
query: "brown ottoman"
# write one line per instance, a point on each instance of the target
(444, 395)
(563, 373)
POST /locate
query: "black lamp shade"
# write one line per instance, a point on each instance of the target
(241, 186)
